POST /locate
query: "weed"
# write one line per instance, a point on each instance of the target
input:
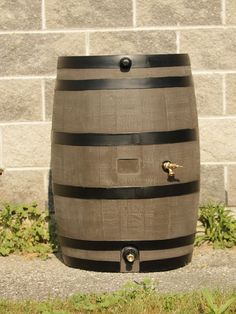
(219, 226)
(24, 229)
(212, 307)
(169, 302)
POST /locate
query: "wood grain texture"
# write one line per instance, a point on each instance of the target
(149, 219)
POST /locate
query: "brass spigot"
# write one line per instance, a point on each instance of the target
(130, 254)
(169, 166)
(130, 257)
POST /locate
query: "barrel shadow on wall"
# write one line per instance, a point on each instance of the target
(50, 201)
(121, 125)
(53, 238)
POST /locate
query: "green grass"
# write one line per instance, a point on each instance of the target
(134, 298)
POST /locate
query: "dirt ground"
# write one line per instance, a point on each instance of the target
(24, 278)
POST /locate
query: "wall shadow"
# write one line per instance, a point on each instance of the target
(52, 226)
(226, 198)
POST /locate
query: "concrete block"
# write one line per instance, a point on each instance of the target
(210, 48)
(22, 187)
(49, 95)
(217, 140)
(21, 100)
(26, 145)
(230, 6)
(133, 42)
(36, 54)
(20, 15)
(209, 95)
(88, 14)
(212, 184)
(231, 94)
(184, 12)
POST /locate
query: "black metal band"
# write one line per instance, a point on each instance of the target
(126, 192)
(144, 245)
(86, 264)
(165, 264)
(146, 138)
(147, 266)
(141, 83)
(113, 62)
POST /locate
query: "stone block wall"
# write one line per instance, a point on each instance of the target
(34, 33)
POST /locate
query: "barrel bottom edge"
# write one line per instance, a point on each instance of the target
(114, 267)
(165, 264)
(85, 264)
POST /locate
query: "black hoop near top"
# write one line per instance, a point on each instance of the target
(113, 62)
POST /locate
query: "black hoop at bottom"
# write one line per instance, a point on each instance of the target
(146, 266)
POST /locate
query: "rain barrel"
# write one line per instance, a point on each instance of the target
(125, 161)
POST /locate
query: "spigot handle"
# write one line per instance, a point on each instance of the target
(169, 166)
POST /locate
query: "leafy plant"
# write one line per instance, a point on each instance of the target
(213, 308)
(24, 229)
(219, 226)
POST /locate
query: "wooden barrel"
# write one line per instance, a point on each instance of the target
(121, 124)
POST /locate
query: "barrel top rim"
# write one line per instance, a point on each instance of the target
(123, 55)
(116, 61)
